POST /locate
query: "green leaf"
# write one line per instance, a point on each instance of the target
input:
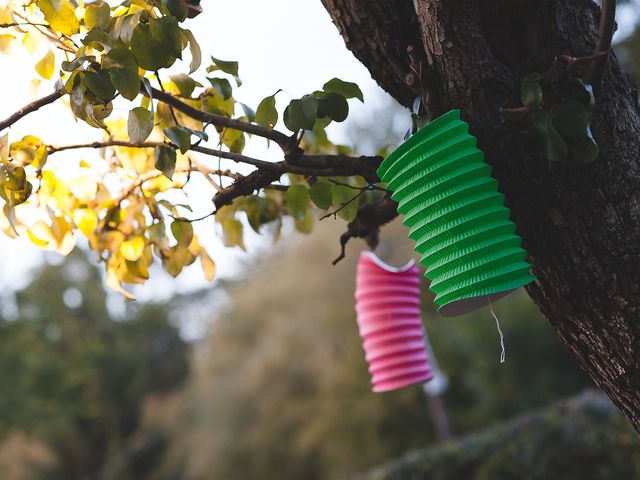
(60, 15)
(198, 133)
(180, 136)
(232, 233)
(123, 71)
(555, 148)
(99, 40)
(194, 49)
(77, 62)
(334, 106)
(301, 114)
(305, 225)
(342, 197)
(571, 118)
(166, 31)
(126, 81)
(183, 232)
(184, 83)
(100, 84)
(139, 125)
(531, 91)
(346, 89)
(165, 160)
(225, 66)
(46, 66)
(267, 114)
(256, 208)
(585, 148)
(177, 8)
(96, 113)
(583, 91)
(97, 15)
(157, 44)
(233, 139)
(119, 57)
(222, 86)
(298, 201)
(249, 112)
(128, 24)
(321, 195)
(213, 102)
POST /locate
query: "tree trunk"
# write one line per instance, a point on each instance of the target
(579, 223)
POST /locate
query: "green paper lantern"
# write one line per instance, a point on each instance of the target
(455, 214)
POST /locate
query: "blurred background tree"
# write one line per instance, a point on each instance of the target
(78, 380)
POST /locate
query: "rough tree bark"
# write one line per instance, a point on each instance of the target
(580, 224)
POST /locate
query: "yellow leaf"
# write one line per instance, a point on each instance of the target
(114, 282)
(84, 188)
(61, 15)
(5, 42)
(208, 265)
(132, 249)
(9, 222)
(4, 147)
(40, 157)
(63, 234)
(40, 234)
(86, 220)
(46, 66)
(34, 85)
(194, 246)
(232, 233)
(30, 42)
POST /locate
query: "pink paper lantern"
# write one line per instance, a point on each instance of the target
(390, 324)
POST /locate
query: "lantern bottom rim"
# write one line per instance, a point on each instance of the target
(468, 305)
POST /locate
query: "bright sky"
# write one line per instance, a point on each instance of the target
(287, 44)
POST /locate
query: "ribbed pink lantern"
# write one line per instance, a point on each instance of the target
(390, 324)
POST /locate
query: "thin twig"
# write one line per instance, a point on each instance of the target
(20, 24)
(343, 206)
(173, 114)
(236, 157)
(31, 107)
(191, 220)
(371, 186)
(605, 35)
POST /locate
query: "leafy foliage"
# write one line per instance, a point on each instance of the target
(118, 53)
(559, 105)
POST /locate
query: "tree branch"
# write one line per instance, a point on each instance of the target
(236, 157)
(287, 144)
(245, 186)
(31, 107)
(318, 165)
(367, 223)
(605, 35)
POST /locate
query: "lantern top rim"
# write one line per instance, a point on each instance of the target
(385, 266)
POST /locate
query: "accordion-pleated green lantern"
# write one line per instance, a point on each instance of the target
(455, 214)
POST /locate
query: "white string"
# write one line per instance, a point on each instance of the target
(502, 352)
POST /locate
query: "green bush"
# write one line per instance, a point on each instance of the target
(584, 438)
